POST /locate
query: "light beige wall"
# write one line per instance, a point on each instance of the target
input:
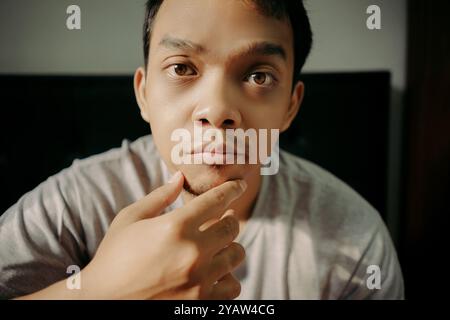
(34, 37)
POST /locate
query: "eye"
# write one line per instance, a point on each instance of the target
(181, 70)
(262, 79)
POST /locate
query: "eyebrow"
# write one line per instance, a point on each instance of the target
(261, 48)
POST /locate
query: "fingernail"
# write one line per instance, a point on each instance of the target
(175, 177)
(243, 184)
(229, 212)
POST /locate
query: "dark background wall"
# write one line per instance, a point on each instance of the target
(426, 177)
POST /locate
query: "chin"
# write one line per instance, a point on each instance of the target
(201, 178)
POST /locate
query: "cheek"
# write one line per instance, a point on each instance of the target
(159, 106)
(161, 132)
(266, 117)
(165, 116)
(165, 104)
(267, 111)
(162, 125)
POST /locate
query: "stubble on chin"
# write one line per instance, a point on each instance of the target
(199, 187)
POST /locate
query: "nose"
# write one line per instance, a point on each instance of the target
(218, 105)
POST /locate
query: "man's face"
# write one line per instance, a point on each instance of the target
(216, 64)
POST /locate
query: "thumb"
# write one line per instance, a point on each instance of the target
(155, 202)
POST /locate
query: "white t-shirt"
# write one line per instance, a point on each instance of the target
(310, 236)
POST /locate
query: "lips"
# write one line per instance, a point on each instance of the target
(215, 150)
(215, 155)
(210, 158)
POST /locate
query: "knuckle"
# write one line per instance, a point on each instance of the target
(236, 187)
(230, 228)
(238, 252)
(178, 227)
(231, 289)
(233, 188)
(121, 217)
(226, 263)
(173, 227)
(192, 254)
(235, 289)
(123, 213)
(219, 195)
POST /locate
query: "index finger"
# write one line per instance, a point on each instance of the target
(214, 202)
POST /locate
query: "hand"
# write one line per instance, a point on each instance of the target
(152, 256)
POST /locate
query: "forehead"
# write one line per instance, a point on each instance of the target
(220, 26)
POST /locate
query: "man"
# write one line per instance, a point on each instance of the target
(227, 231)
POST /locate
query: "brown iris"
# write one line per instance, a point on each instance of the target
(259, 77)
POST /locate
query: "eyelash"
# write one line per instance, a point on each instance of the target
(247, 78)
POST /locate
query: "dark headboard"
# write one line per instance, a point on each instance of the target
(47, 121)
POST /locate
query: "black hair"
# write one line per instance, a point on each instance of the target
(294, 10)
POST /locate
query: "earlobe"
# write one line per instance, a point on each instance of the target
(139, 91)
(294, 106)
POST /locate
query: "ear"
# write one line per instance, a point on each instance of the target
(139, 91)
(294, 105)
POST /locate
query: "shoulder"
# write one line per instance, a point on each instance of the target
(322, 192)
(96, 185)
(86, 196)
(332, 208)
(347, 233)
(113, 179)
(139, 152)
(123, 165)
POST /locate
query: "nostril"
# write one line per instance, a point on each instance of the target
(228, 122)
(204, 121)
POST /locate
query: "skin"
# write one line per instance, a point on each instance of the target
(135, 260)
(217, 86)
(221, 87)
